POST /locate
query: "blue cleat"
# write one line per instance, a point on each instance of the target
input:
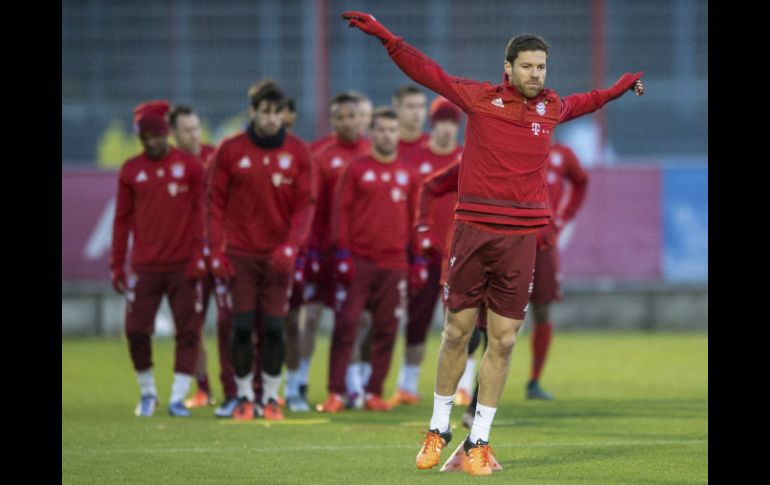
(534, 391)
(178, 409)
(146, 406)
(227, 408)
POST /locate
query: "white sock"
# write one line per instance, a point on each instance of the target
(270, 386)
(180, 387)
(304, 366)
(245, 388)
(402, 376)
(442, 408)
(466, 381)
(411, 378)
(482, 422)
(353, 379)
(366, 372)
(292, 383)
(146, 382)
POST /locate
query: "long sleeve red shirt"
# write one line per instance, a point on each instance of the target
(330, 162)
(407, 150)
(427, 163)
(503, 170)
(260, 197)
(564, 168)
(373, 211)
(159, 203)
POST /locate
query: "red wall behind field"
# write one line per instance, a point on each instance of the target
(617, 234)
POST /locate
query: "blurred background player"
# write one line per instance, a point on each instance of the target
(261, 207)
(502, 200)
(186, 130)
(290, 115)
(439, 151)
(159, 204)
(347, 144)
(411, 104)
(371, 223)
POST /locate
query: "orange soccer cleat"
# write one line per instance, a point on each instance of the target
(373, 402)
(272, 411)
(430, 453)
(480, 458)
(199, 400)
(462, 397)
(244, 411)
(404, 397)
(333, 404)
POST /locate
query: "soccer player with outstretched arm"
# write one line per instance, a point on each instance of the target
(502, 202)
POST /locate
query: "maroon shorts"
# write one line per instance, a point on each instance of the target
(495, 269)
(256, 287)
(546, 287)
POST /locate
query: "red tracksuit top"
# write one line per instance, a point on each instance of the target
(159, 203)
(425, 162)
(407, 150)
(373, 211)
(563, 167)
(507, 139)
(260, 197)
(329, 163)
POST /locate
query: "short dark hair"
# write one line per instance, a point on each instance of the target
(383, 112)
(177, 111)
(344, 97)
(358, 94)
(266, 90)
(406, 90)
(524, 42)
(290, 105)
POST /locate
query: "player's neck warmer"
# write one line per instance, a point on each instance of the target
(274, 141)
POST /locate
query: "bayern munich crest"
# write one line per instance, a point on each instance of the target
(540, 108)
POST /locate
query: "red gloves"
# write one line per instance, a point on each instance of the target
(627, 82)
(418, 274)
(343, 267)
(118, 277)
(370, 25)
(283, 258)
(427, 244)
(220, 266)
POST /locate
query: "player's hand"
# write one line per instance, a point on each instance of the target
(197, 269)
(367, 23)
(118, 277)
(343, 267)
(313, 266)
(427, 244)
(629, 82)
(283, 258)
(220, 266)
(418, 274)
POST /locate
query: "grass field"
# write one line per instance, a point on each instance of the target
(631, 408)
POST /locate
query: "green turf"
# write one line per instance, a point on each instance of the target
(631, 408)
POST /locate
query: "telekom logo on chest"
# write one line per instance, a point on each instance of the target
(536, 129)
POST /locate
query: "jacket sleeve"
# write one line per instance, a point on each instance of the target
(427, 72)
(219, 181)
(341, 206)
(442, 182)
(197, 192)
(122, 223)
(578, 178)
(307, 191)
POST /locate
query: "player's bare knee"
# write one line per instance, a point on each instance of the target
(455, 335)
(502, 343)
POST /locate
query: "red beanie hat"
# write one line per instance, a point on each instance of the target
(443, 109)
(151, 116)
